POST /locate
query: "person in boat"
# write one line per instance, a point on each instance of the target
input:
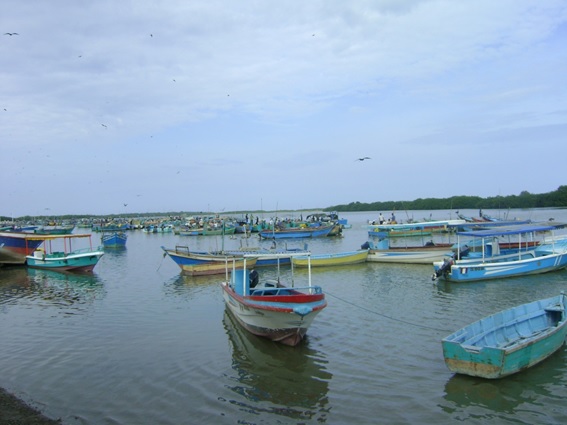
(393, 218)
(381, 219)
(254, 278)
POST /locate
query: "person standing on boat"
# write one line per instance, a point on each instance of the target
(393, 218)
(381, 219)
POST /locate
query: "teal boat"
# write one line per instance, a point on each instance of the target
(509, 341)
(59, 254)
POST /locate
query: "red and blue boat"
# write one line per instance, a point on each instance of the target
(14, 246)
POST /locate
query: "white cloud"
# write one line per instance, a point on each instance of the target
(204, 81)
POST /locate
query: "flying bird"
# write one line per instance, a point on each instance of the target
(364, 158)
(104, 126)
(11, 33)
(125, 205)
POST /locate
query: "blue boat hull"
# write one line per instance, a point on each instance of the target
(114, 240)
(473, 271)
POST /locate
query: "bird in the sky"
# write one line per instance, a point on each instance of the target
(11, 33)
(364, 158)
(125, 205)
(104, 126)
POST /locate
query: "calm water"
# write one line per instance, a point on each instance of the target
(139, 343)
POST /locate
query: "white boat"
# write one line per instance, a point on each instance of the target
(381, 250)
(269, 309)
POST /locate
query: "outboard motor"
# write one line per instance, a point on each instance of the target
(445, 267)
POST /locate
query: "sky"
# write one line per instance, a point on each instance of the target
(112, 107)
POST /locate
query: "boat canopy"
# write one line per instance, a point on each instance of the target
(507, 230)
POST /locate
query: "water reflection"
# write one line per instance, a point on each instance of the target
(47, 287)
(189, 286)
(271, 378)
(503, 397)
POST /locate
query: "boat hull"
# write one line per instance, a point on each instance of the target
(202, 264)
(326, 260)
(81, 262)
(296, 232)
(274, 317)
(509, 341)
(114, 240)
(14, 247)
(409, 255)
(467, 271)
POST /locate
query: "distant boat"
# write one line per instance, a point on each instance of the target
(55, 230)
(268, 309)
(14, 246)
(335, 259)
(272, 256)
(422, 228)
(297, 232)
(509, 341)
(382, 251)
(65, 257)
(491, 264)
(114, 239)
(197, 263)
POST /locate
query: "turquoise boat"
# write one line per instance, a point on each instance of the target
(509, 341)
(297, 232)
(58, 254)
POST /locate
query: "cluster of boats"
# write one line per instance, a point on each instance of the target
(496, 346)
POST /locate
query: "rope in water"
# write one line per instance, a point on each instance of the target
(386, 316)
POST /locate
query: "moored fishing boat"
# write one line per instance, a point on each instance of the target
(197, 263)
(55, 229)
(334, 259)
(381, 250)
(297, 232)
(492, 264)
(58, 254)
(509, 341)
(15, 246)
(423, 228)
(114, 239)
(269, 309)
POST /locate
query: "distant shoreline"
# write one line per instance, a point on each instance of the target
(14, 411)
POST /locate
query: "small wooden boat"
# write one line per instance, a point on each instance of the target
(297, 232)
(269, 309)
(60, 255)
(114, 239)
(196, 263)
(381, 250)
(226, 230)
(15, 246)
(416, 229)
(335, 259)
(509, 341)
(55, 230)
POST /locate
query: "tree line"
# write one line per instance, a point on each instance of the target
(524, 200)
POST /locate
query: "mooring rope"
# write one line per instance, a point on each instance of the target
(386, 316)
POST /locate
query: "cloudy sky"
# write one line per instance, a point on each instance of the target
(225, 105)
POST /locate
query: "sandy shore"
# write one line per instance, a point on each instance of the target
(14, 411)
